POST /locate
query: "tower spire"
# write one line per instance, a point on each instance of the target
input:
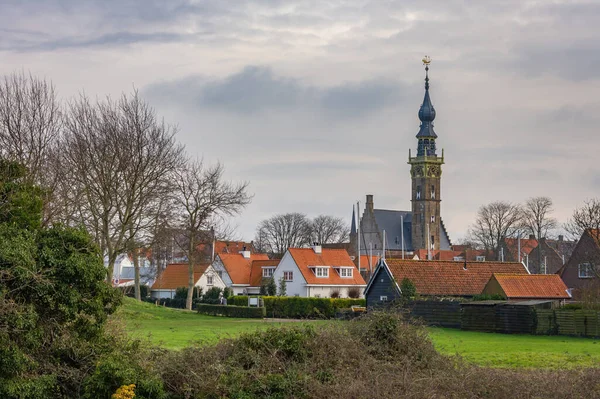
(426, 133)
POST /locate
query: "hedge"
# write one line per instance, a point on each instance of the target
(178, 303)
(231, 311)
(292, 307)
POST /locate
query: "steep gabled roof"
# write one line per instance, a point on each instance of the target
(534, 286)
(449, 278)
(527, 245)
(238, 267)
(305, 258)
(257, 268)
(176, 275)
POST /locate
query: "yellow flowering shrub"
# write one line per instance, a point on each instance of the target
(124, 392)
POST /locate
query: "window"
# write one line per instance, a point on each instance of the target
(432, 219)
(322, 272)
(432, 242)
(586, 270)
(432, 191)
(209, 280)
(397, 240)
(345, 272)
(220, 273)
(268, 271)
(288, 276)
(480, 258)
(383, 298)
(418, 194)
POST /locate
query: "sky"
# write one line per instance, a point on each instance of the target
(315, 103)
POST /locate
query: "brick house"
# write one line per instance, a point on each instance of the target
(583, 268)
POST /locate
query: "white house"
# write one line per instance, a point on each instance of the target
(235, 269)
(176, 275)
(318, 272)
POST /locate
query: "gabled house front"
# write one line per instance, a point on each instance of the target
(235, 270)
(318, 272)
(583, 268)
(434, 278)
(176, 276)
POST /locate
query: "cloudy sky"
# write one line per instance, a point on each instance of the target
(315, 102)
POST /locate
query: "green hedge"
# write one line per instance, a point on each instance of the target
(291, 307)
(231, 311)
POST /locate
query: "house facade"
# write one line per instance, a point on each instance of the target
(318, 272)
(434, 278)
(176, 275)
(583, 267)
(235, 269)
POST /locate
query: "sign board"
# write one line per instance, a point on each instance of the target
(252, 301)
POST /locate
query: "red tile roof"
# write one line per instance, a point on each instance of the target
(238, 267)
(534, 286)
(364, 261)
(226, 247)
(256, 270)
(527, 245)
(449, 278)
(307, 257)
(176, 275)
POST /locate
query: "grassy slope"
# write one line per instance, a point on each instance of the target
(503, 350)
(175, 329)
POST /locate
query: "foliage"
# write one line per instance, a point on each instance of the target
(20, 201)
(177, 303)
(282, 291)
(263, 287)
(231, 311)
(488, 297)
(271, 286)
(354, 292)
(335, 294)
(144, 291)
(124, 392)
(227, 292)
(299, 307)
(408, 288)
(182, 292)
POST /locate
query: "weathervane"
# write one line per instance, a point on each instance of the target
(426, 61)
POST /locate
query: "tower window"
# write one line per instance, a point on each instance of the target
(432, 219)
(432, 242)
(418, 194)
(432, 191)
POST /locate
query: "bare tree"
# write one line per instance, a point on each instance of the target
(494, 222)
(329, 229)
(30, 126)
(280, 232)
(537, 220)
(201, 196)
(583, 218)
(119, 160)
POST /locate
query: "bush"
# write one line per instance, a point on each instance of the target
(177, 303)
(231, 311)
(354, 292)
(293, 307)
(408, 288)
(488, 297)
(335, 294)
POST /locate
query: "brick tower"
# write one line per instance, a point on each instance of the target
(426, 173)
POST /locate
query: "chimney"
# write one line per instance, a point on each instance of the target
(561, 238)
(370, 203)
(245, 253)
(317, 248)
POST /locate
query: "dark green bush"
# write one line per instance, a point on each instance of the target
(408, 288)
(488, 297)
(231, 311)
(299, 307)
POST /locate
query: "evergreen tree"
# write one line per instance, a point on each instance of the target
(282, 287)
(271, 287)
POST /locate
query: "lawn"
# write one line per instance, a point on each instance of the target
(175, 329)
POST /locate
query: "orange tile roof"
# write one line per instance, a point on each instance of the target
(306, 257)
(176, 275)
(437, 277)
(238, 267)
(527, 245)
(226, 247)
(364, 261)
(541, 286)
(256, 270)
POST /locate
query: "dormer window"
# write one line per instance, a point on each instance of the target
(322, 271)
(267, 272)
(345, 272)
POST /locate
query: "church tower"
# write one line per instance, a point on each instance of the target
(426, 173)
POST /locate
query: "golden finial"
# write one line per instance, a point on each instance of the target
(426, 60)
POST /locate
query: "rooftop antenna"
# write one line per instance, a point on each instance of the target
(383, 247)
(402, 233)
(358, 231)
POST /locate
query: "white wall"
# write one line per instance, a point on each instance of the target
(158, 294)
(293, 288)
(217, 266)
(203, 280)
(326, 290)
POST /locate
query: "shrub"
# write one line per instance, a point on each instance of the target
(488, 297)
(271, 287)
(298, 307)
(335, 294)
(354, 292)
(282, 287)
(212, 293)
(408, 288)
(231, 311)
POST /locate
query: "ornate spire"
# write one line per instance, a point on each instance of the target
(426, 134)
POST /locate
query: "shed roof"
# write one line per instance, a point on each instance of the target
(534, 286)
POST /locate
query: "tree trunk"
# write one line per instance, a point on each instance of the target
(136, 270)
(191, 282)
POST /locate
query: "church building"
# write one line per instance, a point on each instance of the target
(422, 227)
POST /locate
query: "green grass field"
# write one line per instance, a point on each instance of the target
(175, 329)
